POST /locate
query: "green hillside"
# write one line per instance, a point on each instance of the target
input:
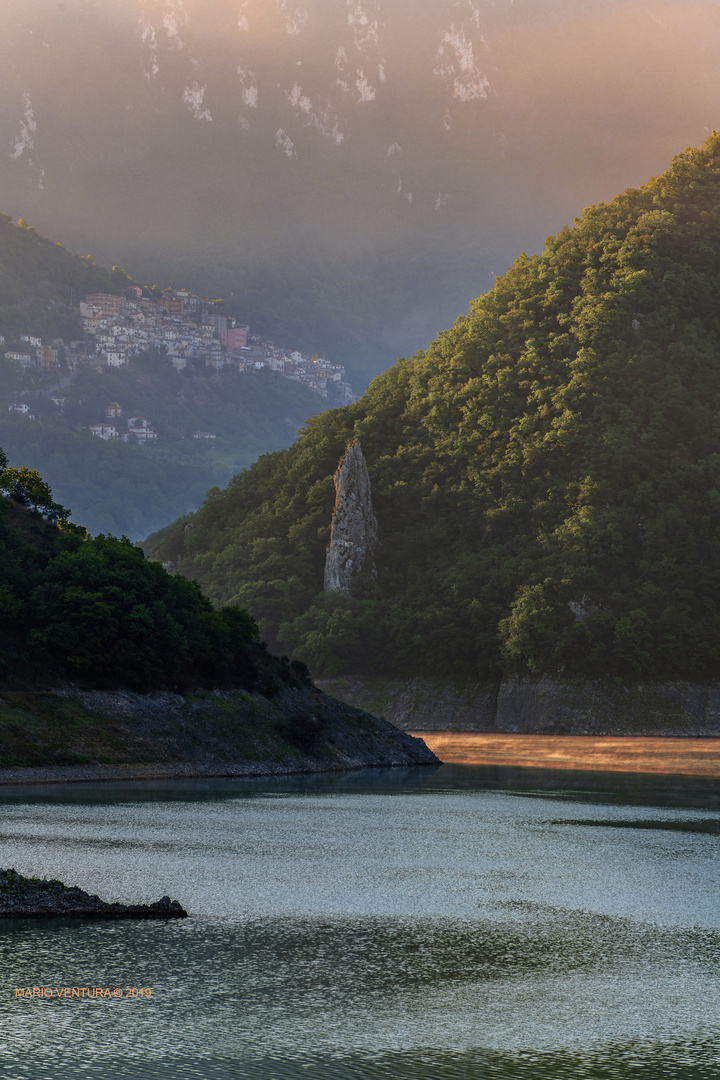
(39, 280)
(546, 476)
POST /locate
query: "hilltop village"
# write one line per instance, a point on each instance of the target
(118, 327)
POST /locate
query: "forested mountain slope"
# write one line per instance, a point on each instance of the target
(546, 476)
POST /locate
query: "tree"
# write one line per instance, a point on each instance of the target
(26, 487)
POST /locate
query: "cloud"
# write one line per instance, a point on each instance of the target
(248, 82)
(28, 126)
(175, 16)
(365, 91)
(284, 142)
(295, 21)
(364, 28)
(323, 119)
(149, 39)
(194, 97)
(298, 100)
(548, 107)
(457, 66)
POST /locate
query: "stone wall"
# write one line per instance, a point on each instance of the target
(537, 706)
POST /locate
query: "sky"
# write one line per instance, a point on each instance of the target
(348, 174)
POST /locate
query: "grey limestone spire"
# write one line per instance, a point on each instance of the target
(354, 535)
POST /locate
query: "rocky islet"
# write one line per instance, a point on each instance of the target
(37, 898)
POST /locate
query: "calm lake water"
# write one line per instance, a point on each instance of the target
(456, 923)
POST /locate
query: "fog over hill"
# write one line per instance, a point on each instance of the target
(348, 173)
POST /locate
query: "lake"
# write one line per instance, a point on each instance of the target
(457, 922)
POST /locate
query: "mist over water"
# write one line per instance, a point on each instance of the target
(347, 174)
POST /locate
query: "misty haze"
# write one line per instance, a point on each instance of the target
(347, 175)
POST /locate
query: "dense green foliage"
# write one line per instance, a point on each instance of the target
(97, 610)
(38, 281)
(128, 490)
(546, 476)
(27, 488)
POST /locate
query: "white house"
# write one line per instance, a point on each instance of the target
(104, 431)
(144, 434)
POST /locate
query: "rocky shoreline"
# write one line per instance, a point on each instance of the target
(38, 898)
(187, 770)
(69, 734)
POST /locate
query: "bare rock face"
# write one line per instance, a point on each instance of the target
(354, 526)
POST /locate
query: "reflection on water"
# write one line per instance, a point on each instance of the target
(452, 923)
(710, 826)
(595, 785)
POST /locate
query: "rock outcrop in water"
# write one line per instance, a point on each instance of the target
(37, 898)
(354, 534)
